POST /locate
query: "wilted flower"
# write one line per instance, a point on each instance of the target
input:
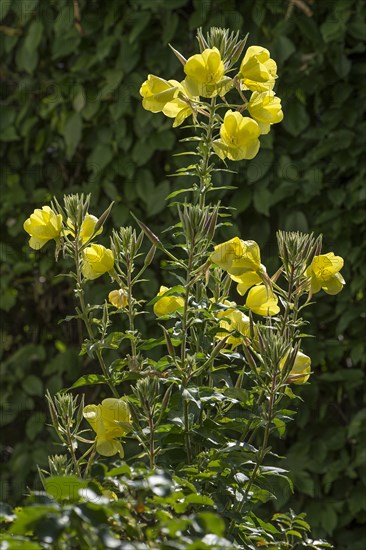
(156, 93)
(96, 260)
(205, 74)
(237, 256)
(118, 298)
(239, 137)
(42, 226)
(262, 301)
(233, 320)
(167, 304)
(300, 372)
(258, 71)
(265, 108)
(110, 420)
(323, 273)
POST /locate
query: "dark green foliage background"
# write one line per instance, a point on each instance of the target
(72, 121)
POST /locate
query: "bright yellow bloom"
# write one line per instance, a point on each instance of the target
(323, 273)
(86, 229)
(239, 137)
(237, 257)
(266, 109)
(178, 108)
(258, 71)
(96, 261)
(205, 74)
(167, 304)
(300, 372)
(43, 226)
(156, 93)
(233, 320)
(262, 301)
(118, 298)
(110, 420)
(246, 281)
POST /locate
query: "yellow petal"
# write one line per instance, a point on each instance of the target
(334, 285)
(261, 301)
(246, 281)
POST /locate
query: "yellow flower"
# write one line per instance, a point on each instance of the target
(323, 273)
(262, 301)
(239, 137)
(42, 226)
(300, 372)
(156, 93)
(110, 420)
(237, 257)
(258, 71)
(178, 108)
(86, 229)
(205, 74)
(167, 304)
(97, 260)
(118, 298)
(233, 320)
(266, 109)
(246, 281)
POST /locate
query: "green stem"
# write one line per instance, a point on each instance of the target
(72, 451)
(262, 450)
(186, 431)
(131, 311)
(84, 314)
(152, 442)
(203, 172)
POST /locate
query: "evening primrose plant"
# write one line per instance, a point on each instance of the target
(174, 438)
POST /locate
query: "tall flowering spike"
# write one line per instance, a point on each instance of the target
(258, 71)
(97, 260)
(237, 256)
(301, 369)
(206, 74)
(156, 93)
(43, 226)
(110, 420)
(167, 304)
(239, 137)
(262, 301)
(266, 109)
(231, 320)
(324, 273)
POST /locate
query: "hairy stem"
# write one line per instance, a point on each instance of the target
(84, 314)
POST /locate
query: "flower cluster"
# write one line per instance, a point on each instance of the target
(45, 225)
(206, 77)
(242, 261)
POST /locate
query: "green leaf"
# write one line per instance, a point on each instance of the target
(99, 158)
(64, 487)
(87, 380)
(32, 385)
(72, 134)
(35, 425)
(28, 517)
(296, 118)
(27, 56)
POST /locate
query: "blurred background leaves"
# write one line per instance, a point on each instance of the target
(72, 121)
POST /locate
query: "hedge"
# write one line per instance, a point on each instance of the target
(72, 121)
